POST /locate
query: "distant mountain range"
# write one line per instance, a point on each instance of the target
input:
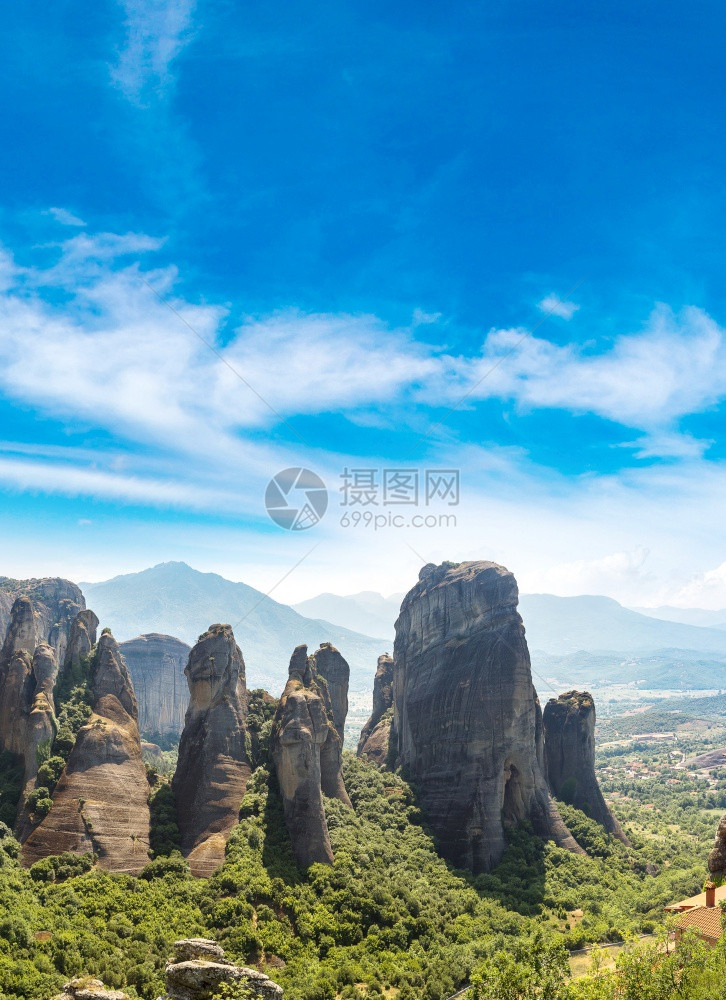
(367, 612)
(588, 639)
(561, 625)
(582, 640)
(686, 616)
(174, 599)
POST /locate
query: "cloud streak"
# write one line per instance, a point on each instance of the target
(156, 32)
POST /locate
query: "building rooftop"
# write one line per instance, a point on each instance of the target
(699, 900)
(704, 919)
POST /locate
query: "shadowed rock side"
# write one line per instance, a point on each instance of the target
(100, 801)
(569, 724)
(214, 765)
(330, 674)
(374, 738)
(307, 751)
(156, 663)
(467, 725)
(334, 670)
(55, 603)
(717, 857)
(17, 685)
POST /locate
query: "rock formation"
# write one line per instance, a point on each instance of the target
(199, 969)
(374, 738)
(81, 640)
(156, 663)
(55, 603)
(569, 724)
(100, 800)
(214, 765)
(717, 857)
(307, 749)
(467, 725)
(16, 677)
(87, 988)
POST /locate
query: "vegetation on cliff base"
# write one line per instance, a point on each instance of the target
(389, 914)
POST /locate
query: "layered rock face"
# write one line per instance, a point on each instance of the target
(55, 603)
(199, 969)
(307, 749)
(467, 724)
(717, 857)
(156, 663)
(214, 765)
(100, 801)
(569, 724)
(374, 738)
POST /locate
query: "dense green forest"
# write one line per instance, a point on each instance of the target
(390, 918)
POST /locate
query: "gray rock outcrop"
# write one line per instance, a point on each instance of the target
(199, 969)
(214, 764)
(569, 725)
(374, 738)
(156, 663)
(467, 725)
(307, 750)
(100, 803)
(87, 988)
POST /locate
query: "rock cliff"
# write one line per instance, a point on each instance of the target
(374, 738)
(307, 749)
(214, 763)
(569, 725)
(55, 603)
(156, 663)
(100, 800)
(467, 724)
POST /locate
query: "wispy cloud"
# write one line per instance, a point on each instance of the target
(646, 380)
(156, 32)
(65, 218)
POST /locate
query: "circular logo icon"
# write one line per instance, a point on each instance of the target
(296, 499)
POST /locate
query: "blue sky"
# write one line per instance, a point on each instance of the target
(369, 211)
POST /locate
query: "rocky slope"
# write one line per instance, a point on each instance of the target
(307, 748)
(214, 765)
(100, 800)
(467, 722)
(374, 737)
(569, 725)
(156, 663)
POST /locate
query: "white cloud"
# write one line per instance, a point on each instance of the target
(553, 305)
(65, 218)
(107, 354)
(608, 574)
(156, 32)
(703, 590)
(647, 380)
